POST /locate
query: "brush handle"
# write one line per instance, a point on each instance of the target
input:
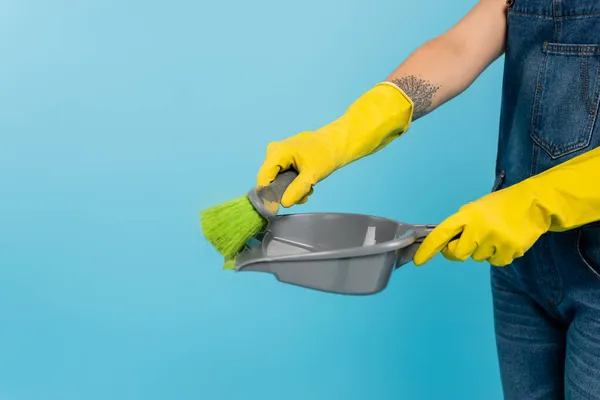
(266, 199)
(280, 184)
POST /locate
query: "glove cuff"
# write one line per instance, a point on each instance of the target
(405, 103)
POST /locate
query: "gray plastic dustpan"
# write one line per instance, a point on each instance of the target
(333, 252)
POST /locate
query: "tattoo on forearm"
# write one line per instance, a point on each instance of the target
(420, 91)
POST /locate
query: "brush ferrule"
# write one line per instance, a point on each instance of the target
(266, 199)
(265, 202)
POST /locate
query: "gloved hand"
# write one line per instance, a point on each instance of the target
(503, 225)
(370, 123)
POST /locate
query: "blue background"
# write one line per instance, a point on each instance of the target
(120, 121)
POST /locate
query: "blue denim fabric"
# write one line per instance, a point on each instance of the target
(547, 303)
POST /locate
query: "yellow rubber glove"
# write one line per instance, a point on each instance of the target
(503, 225)
(369, 124)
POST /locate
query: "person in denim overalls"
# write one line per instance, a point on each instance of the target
(541, 220)
(547, 304)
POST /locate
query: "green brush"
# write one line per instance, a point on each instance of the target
(229, 226)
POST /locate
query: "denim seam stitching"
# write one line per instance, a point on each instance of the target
(572, 53)
(567, 16)
(556, 21)
(528, 14)
(547, 16)
(581, 50)
(594, 106)
(583, 66)
(557, 289)
(582, 258)
(542, 276)
(537, 93)
(534, 157)
(591, 109)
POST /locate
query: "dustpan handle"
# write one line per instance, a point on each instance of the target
(412, 237)
(421, 231)
(409, 238)
(410, 241)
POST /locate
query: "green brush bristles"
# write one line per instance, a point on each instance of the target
(230, 225)
(229, 264)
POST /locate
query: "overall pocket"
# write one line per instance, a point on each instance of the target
(588, 247)
(566, 98)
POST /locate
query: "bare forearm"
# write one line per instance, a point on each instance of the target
(444, 67)
(430, 76)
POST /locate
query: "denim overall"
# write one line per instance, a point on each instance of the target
(547, 303)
